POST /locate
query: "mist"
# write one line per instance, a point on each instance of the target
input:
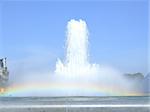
(73, 76)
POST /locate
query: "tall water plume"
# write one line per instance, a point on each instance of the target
(76, 62)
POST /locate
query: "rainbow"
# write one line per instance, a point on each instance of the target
(53, 89)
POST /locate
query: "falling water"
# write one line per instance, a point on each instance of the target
(76, 67)
(76, 62)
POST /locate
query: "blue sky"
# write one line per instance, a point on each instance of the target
(118, 31)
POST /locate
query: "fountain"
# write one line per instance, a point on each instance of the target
(77, 70)
(76, 62)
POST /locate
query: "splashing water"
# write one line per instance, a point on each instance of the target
(76, 62)
(76, 67)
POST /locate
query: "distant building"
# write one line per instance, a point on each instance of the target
(4, 74)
